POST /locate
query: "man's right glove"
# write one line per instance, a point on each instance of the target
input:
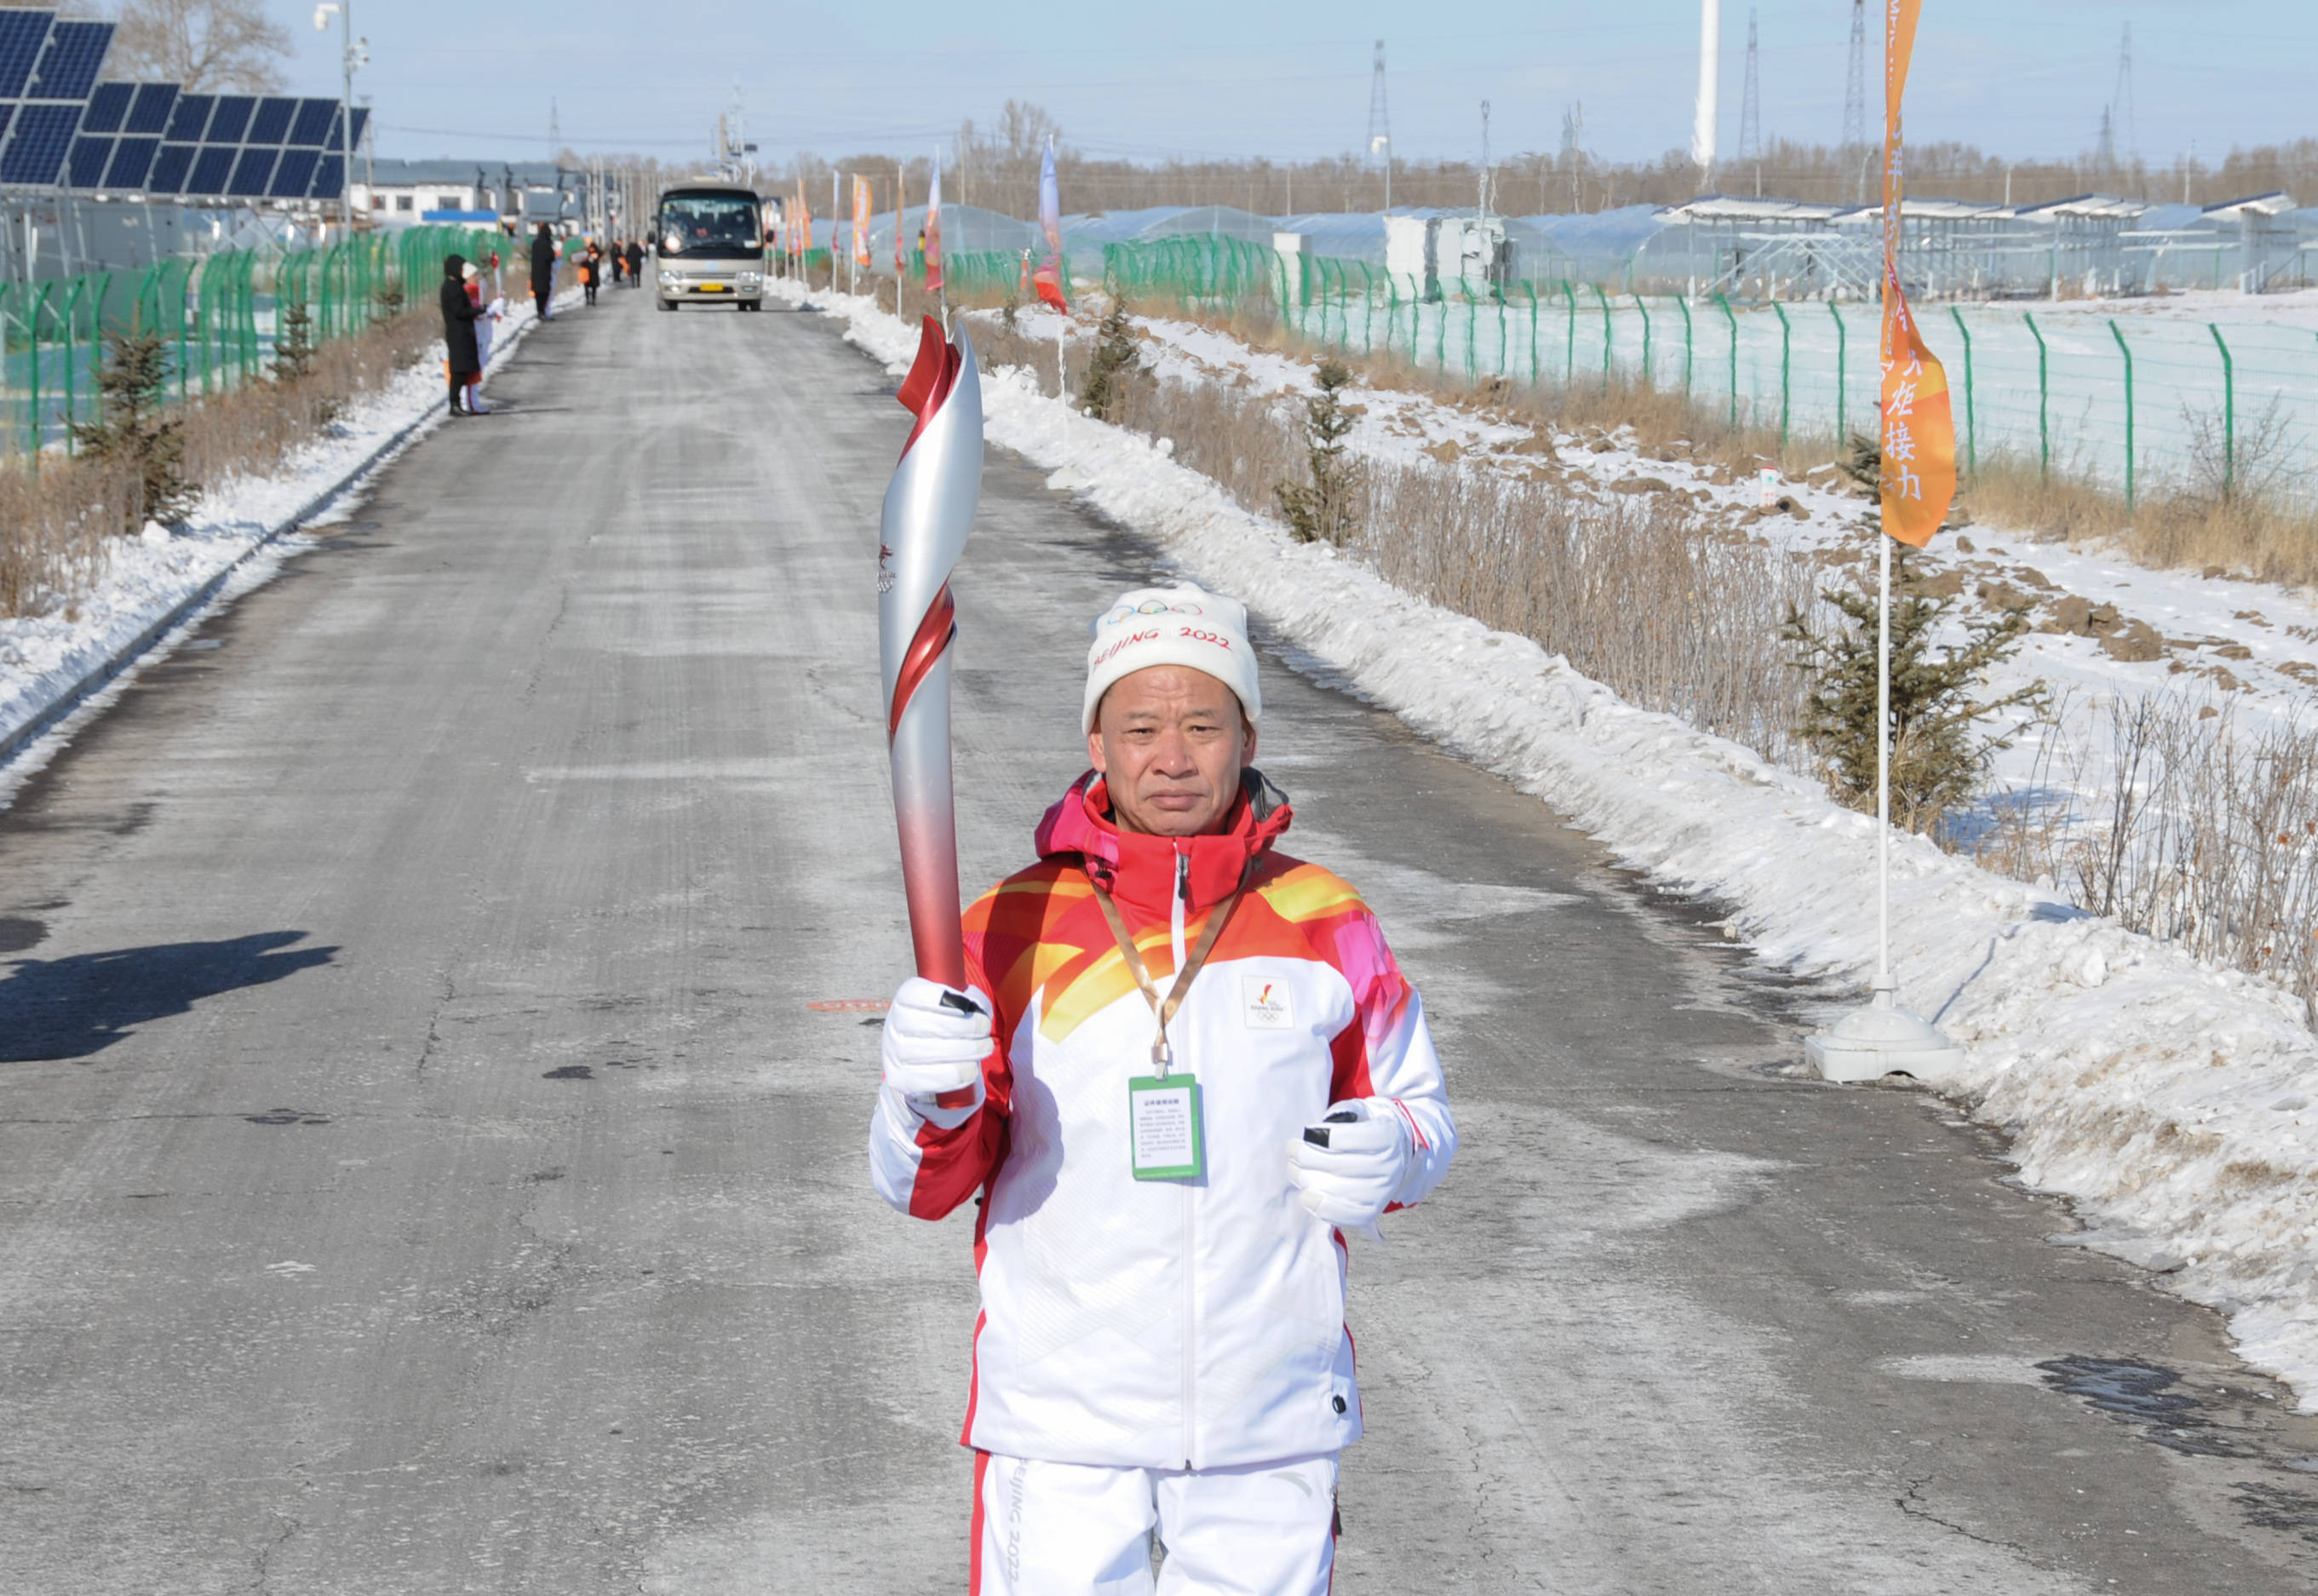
(1348, 1167)
(933, 1048)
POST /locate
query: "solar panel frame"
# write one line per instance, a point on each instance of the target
(151, 113)
(170, 167)
(41, 139)
(230, 120)
(69, 65)
(108, 108)
(132, 159)
(21, 35)
(330, 177)
(212, 169)
(84, 168)
(294, 175)
(270, 124)
(191, 118)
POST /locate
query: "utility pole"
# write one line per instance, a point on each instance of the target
(1709, 64)
(2121, 103)
(1482, 210)
(1380, 122)
(1854, 93)
(353, 53)
(1750, 112)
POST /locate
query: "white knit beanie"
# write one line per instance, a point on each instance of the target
(1179, 626)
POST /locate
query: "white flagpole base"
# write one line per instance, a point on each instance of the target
(1872, 1042)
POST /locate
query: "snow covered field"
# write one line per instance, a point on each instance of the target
(2174, 1103)
(46, 659)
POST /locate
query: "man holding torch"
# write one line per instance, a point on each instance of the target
(1177, 1069)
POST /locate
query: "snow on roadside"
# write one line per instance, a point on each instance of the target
(146, 577)
(2178, 1105)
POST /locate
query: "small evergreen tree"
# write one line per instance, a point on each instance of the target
(131, 433)
(388, 300)
(1320, 511)
(1114, 356)
(294, 345)
(1938, 750)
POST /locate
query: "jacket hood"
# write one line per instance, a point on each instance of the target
(453, 265)
(1141, 870)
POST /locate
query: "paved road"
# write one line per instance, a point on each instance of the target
(420, 1170)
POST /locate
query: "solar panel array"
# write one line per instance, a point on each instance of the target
(148, 138)
(58, 123)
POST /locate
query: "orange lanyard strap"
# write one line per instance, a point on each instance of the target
(1180, 987)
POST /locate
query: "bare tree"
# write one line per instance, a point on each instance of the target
(207, 46)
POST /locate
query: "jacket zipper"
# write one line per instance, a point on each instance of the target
(1190, 1211)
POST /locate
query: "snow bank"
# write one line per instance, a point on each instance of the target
(153, 583)
(2173, 1102)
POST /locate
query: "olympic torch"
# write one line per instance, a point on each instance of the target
(929, 511)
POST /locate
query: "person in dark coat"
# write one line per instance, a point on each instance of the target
(635, 263)
(543, 270)
(460, 361)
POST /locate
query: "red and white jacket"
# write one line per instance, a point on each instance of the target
(1165, 1324)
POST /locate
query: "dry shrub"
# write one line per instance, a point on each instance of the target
(252, 430)
(2207, 835)
(54, 513)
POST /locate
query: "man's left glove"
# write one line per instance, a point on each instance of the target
(1349, 1167)
(933, 1048)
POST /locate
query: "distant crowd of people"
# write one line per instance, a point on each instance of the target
(469, 317)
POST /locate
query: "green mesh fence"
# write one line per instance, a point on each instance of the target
(219, 316)
(2172, 399)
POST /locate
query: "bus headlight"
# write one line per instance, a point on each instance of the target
(668, 279)
(752, 279)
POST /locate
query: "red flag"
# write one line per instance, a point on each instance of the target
(1049, 274)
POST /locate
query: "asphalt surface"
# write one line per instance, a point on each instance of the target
(421, 1169)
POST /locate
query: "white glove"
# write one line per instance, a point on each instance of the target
(932, 1049)
(1348, 1183)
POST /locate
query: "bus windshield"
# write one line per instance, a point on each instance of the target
(709, 224)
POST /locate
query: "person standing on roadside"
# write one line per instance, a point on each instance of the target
(543, 270)
(486, 329)
(635, 263)
(619, 264)
(1183, 1067)
(591, 270)
(461, 362)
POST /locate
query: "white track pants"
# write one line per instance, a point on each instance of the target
(1071, 1530)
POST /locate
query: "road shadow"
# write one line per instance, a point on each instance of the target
(78, 1005)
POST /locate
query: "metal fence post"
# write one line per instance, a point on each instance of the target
(1731, 316)
(2229, 414)
(1786, 349)
(1530, 288)
(1970, 432)
(1842, 376)
(1645, 312)
(1368, 310)
(72, 338)
(1568, 291)
(2125, 350)
(2044, 399)
(1606, 335)
(1687, 343)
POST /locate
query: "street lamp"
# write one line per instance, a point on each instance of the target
(356, 53)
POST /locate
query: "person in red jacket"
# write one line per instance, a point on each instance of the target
(1184, 1067)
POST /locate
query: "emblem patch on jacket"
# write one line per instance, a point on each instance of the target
(1268, 1008)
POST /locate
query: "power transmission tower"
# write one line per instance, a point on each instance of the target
(1380, 122)
(2121, 103)
(1854, 81)
(1750, 113)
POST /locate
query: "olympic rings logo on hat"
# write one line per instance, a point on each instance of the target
(1148, 607)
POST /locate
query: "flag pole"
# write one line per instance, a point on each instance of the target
(1916, 482)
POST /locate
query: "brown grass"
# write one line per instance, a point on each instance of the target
(54, 518)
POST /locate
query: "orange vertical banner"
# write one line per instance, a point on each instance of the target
(860, 220)
(1919, 472)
